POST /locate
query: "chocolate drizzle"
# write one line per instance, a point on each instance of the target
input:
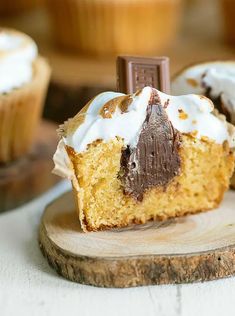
(155, 161)
(216, 101)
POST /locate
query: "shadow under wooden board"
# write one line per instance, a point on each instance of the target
(193, 248)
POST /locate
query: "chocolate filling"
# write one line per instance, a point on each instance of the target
(155, 161)
(217, 101)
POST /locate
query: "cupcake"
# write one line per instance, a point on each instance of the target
(24, 77)
(15, 6)
(146, 156)
(110, 27)
(216, 80)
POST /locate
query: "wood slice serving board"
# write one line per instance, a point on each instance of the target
(194, 248)
(30, 176)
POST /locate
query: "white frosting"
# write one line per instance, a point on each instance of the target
(17, 53)
(125, 125)
(220, 76)
(197, 119)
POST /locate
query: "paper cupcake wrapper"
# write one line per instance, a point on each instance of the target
(233, 181)
(228, 8)
(102, 27)
(20, 112)
(12, 6)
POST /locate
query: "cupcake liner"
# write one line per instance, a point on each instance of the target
(20, 112)
(228, 8)
(233, 182)
(13, 6)
(101, 27)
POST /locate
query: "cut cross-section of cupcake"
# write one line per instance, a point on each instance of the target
(147, 156)
(216, 80)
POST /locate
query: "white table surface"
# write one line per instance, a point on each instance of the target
(28, 286)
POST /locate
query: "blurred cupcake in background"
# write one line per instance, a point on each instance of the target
(228, 8)
(15, 6)
(111, 27)
(24, 78)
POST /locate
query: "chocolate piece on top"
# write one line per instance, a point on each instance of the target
(134, 73)
(156, 160)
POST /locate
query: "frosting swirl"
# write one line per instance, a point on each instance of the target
(187, 113)
(17, 53)
(113, 114)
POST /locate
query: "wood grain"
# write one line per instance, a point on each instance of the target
(30, 176)
(190, 249)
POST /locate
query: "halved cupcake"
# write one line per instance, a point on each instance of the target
(147, 156)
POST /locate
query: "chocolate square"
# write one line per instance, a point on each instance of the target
(134, 73)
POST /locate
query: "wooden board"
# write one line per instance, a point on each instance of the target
(31, 175)
(194, 248)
